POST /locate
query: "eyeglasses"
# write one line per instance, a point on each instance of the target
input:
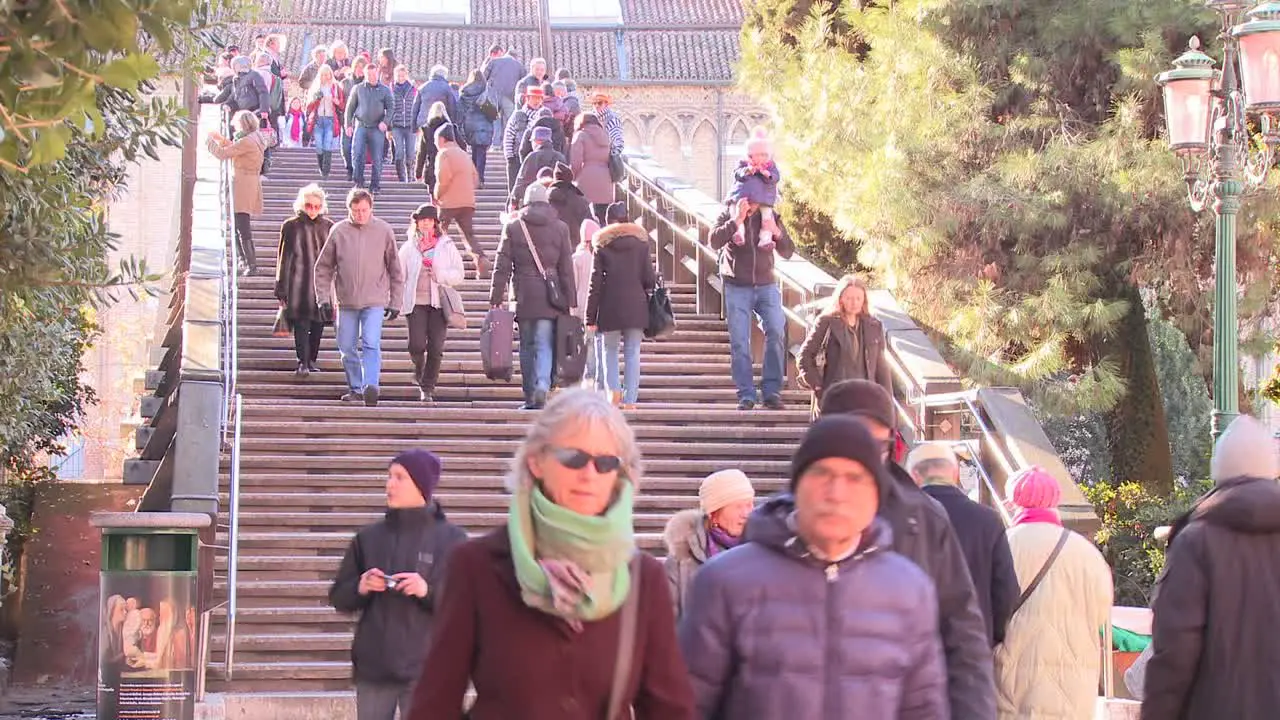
(575, 459)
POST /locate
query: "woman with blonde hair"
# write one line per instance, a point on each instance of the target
(845, 343)
(301, 238)
(245, 151)
(430, 262)
(558, 613)
(425, 165)
(326, 104)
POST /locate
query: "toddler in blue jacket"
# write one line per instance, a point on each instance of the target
(756, 179)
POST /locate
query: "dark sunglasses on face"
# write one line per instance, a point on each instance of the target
(575, 459)
(313, 206)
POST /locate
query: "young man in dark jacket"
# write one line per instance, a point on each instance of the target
(544, 156)
(1214, 646)
(979, 529)
(391, 575)
(750, 289)
(923, 533)
(370, 106)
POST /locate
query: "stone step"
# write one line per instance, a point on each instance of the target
(697, 351)
(655, 366)
(663, 414)
(407, 392)
(462, 447)
(401, 373)
(334, 542)
(439, 431)
(450, 499)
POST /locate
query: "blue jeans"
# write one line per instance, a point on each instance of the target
(326, 140)
(479, 156)
(404, 149)
(365, 325)
(765, 301)
(346, 152)
(631, 346)
(506, 107)
(373, 140)
(537, 338)
(593, 377)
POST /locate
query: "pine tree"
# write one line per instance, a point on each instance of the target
(999, 164)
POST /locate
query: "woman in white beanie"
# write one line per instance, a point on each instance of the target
(725, 499)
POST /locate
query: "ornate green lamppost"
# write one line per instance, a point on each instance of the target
(1206, 113)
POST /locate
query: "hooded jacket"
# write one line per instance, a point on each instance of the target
(572, 207)
(1214, 647)
(770, 631)
(747, 264)
(394, 631)
(622, 276)
(515, 263)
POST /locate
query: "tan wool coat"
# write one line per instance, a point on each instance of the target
(245, 155)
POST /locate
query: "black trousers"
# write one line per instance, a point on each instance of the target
(599, 210)
(306, 340)
(427, 331)
(424, 164)
(513, 174)
(244, 241)
(479, 156)
(466, 222)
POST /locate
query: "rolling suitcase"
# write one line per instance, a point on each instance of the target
(495, 343)
(571, 350)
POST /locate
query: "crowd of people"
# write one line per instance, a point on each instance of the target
(865, 589)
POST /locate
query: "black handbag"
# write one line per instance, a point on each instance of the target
(617, 168)
(662, 319)
(556, 297)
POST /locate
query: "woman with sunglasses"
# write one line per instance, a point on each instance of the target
(301, 238)
(558, 614)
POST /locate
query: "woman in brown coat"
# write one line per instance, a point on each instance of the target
(533, 613)
(846, 343)
(245, 152)
(301, 238)
(589, 159)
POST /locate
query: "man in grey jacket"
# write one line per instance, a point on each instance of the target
(369, 109)
(501, 74)
(817, 617)
(359, 266)
(923, 533)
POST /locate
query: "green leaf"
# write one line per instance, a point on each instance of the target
(51, 145)
(128, 71)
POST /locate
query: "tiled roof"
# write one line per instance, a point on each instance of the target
(504, 12)
(682, 55)
(297, 10)
(588, 54)
(682, 13)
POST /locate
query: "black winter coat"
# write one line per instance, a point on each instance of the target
(747, 264)
(986, 550)
(819, 343)
(547, 157)
(301, 239)
(394, 631)
(1215, 650)
(515, 263)
(622, 276)
(477, 127)
(247, 91)
(557, 135)
(923, 533)
(572, 207)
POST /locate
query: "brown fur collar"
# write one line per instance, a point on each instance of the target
(609, 233)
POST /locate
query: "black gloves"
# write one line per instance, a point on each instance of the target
(391, 313)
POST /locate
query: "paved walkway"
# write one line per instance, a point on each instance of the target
(44, 703)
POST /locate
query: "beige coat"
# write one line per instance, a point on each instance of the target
(359, 267)
(1049, 665)
(456, 179)
(245, 155)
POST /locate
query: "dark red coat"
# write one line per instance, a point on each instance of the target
(529, 665)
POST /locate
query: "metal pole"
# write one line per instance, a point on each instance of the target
(1228, 187)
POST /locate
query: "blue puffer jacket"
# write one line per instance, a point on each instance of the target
(771, 632)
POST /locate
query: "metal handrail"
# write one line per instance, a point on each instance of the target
(233, 541)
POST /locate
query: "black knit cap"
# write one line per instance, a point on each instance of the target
(424, 467)
(447, 132)
(859, 397)
(426, 210)
(841, 436)
(563, 173)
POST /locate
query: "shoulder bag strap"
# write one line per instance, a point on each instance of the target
(626, 642)
(532, 250)
(1044, 570)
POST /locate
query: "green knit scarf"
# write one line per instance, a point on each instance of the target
(551, 545)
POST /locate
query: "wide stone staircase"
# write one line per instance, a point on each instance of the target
(312, 469)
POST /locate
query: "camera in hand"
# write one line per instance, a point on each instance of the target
(392, 583)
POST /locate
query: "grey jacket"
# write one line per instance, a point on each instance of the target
(370, 105)
(771, 632)
(686, 539)
(359, 266)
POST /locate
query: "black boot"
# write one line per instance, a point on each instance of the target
(326, 164)
(320, 163)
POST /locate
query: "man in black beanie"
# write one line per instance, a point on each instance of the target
(817, 558)
(923, 533)
(391, 576)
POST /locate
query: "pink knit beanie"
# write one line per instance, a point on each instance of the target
(1034, 488)
(759, 142)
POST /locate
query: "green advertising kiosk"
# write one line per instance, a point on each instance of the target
(148, 639)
